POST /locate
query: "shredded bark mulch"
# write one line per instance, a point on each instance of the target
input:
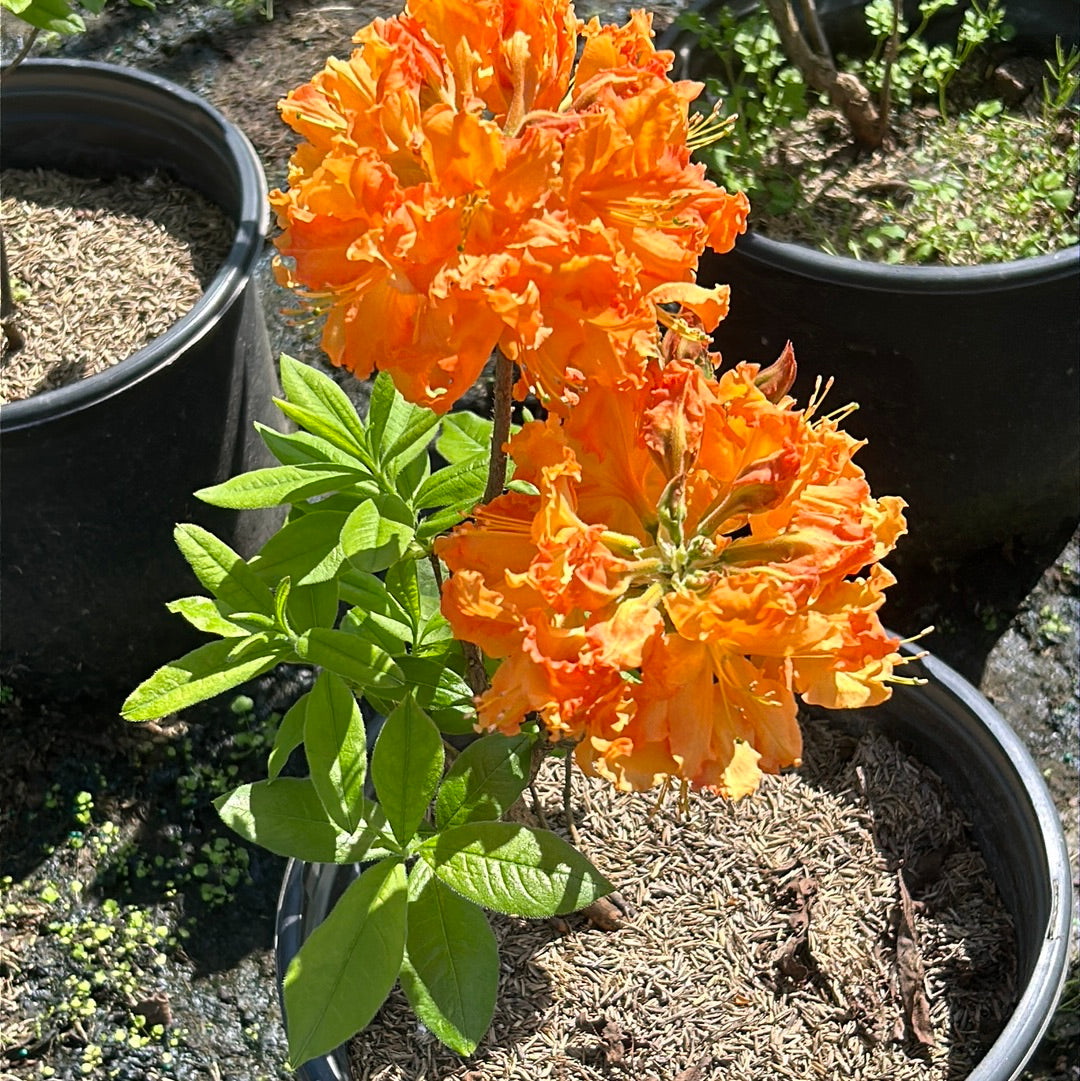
(101, 268)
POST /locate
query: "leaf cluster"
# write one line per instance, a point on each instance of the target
(349, 584)
(363, 509)
(964, 214)
(434, 855)
(1004, 194)
(58, 16)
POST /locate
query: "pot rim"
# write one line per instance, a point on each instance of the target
(1031, 1016)
(843, 270)
(35, 77)
(1006, 1058)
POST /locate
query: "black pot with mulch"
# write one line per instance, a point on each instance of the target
(967, 377)
(944, 723)
(97, 473)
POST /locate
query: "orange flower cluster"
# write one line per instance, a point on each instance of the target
(465, 185)
(696, 553)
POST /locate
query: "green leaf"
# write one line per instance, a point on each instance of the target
(383, 421)
(412, 441)
(435, 632)
(281, 603)
(302, 448)
(513, 869)
(485, 780)
(222, 571)
(372, 841)
(51, 15)
(1060, 199)
(403, 585)
(464, 435)
(307, 549)
(353, 658)
(319, 422)
(289, 736)
(406, 765)
(450, 972)
(458, 486)
(314, 605)
(397, 430)
(203, 673)
(284, 816)
(375, 615)
(377, 533)
(411, 477)
(441, 691)
(347, 966)
(336, 749)
(254, 622)
(284, 484)
(206, 615)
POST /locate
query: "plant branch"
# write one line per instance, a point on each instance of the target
(496, 482)
(845, 91)
(568, 810)
(500, 432)
(817, 34)
(21, 55)
(890, 58)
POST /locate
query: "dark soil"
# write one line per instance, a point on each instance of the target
(143, 846)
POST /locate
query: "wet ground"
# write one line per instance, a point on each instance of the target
(125, 812)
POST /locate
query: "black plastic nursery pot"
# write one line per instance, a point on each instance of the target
(96, 474)
(951, 727)
(967, 378)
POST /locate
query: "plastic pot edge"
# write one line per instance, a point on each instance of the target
(252, 224)
(811, 263)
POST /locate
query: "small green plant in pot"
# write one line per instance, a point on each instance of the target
(929, 140)
(644, 581)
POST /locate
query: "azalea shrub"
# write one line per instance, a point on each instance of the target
(640, 557)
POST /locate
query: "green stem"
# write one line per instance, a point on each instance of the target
(12, 334)
(567, 791)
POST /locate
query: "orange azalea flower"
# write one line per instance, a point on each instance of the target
(698, 552)
(463, 186)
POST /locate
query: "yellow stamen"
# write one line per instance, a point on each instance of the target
(707, 128)
(681, 327)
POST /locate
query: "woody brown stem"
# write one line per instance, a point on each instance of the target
(496, 482)
(890, 58)
(21, 55)
(500, 432)
(475, 674)
(846, 92)
(817, 34)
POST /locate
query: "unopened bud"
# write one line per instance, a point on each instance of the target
(776, 380)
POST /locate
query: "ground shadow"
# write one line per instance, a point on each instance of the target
(153, 784)
(968, 599)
